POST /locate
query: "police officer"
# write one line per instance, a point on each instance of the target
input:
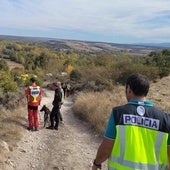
(137, 134)
(55, 113)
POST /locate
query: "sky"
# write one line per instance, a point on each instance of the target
(115, 21)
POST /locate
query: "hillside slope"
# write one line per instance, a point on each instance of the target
(160, 93)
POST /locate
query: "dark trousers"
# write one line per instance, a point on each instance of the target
(55, 116)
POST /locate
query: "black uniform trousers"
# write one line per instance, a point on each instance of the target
(55, 116)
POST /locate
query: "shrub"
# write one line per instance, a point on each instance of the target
(3, 65)
(6, 83)
(150, 72)
(75, 75)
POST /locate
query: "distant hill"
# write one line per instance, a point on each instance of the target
(164, 45)
(88, 46)
(94, 47)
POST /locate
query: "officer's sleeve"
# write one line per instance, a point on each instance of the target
(110, 131)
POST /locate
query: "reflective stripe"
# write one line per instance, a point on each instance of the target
(158, 143)
(122, 139)
(134, 165)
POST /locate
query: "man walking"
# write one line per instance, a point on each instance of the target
(137, 134)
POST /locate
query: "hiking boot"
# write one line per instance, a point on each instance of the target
(56, 128)
(30, 128)
(36, 129)
(50, 127)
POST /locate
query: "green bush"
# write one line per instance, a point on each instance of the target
(3, 65)
(150, 72)
(161, 60)
(75, 75)
(6, 82)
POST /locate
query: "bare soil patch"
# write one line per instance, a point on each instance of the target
(12, 64)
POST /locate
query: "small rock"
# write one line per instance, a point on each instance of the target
(10, 162)
(4, 145)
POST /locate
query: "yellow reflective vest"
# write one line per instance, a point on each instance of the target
(141, 138)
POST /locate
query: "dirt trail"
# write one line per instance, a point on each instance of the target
(72, 147)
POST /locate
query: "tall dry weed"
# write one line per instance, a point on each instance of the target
(160, 94)
(95, 107)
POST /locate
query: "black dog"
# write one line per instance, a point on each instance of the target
(46, 114)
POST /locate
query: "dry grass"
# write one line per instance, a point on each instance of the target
(11, 126)
(95, 108)
(160, 93)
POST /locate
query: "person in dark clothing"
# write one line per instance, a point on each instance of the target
(62, 100)
(55, 113)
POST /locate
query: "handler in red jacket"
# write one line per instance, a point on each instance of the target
(34, 95)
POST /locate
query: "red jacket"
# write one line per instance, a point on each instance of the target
(33, 94)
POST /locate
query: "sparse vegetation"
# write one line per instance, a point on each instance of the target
(104, 68)
(95, 107)
(96, 78)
